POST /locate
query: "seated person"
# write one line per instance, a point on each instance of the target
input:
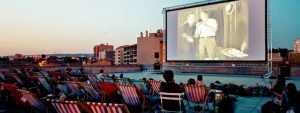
(170, 87)
(191, 82)
(290, 99)
(199, 81)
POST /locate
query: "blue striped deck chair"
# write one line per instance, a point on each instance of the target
(92, 92)
(93, 79)
(64, 88)
(66, 106)
(139, 83)
(44, 83)
(33, 101)
(75, 88)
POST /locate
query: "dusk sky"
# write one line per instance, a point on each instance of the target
(75, 26)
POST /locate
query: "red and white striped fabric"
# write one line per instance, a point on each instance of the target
(155, 85)
(66, 107)
(105, 108)
(129, 94)
(196, 94)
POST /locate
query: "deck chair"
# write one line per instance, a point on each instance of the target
(110, 91)
(131, 97)
(155, 86)
(167, 98)
(92, 92)
(65, 107)
(93, 79)
(33, 101)
(107, 108)
(196, 95)
(139, 83)
(74, 87)
(46, 74)
(44, 83)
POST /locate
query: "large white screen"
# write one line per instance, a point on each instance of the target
(228, 31)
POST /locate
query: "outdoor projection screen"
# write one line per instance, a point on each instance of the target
(221, 31)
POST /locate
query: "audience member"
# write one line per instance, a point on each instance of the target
(191, 82)
(199, 81)
(170, 87)
(291, 99)
(270, 107)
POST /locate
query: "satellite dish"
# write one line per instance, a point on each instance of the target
(229, 8)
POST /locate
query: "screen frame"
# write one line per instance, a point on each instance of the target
(205, 61)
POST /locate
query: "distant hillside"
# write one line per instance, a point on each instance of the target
(71, 55)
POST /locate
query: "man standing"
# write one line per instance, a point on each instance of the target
(206, 29)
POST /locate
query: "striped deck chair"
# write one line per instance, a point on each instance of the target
(33, 101)
(75, 88)
(92, 92)
(46, 74)
(196, 95)
(139, 83)
(107, 108)
(65, 107)
(64, 88)
(93, 79)
(44, 83)
(131, 97)
(155, 86)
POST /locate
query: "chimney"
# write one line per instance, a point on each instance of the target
(141, 34)
(146, 33)
(106, 43)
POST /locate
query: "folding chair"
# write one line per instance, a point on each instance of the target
(92, 92)
(196, 95)
(33, 101)
(155, 86)
(131, 97)
(65, 107)
(167, 98)
(107, 108)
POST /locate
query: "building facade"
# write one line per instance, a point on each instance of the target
(297, 46)
(130, 54)
(119, 55)
(148, 45)
(100, 50)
